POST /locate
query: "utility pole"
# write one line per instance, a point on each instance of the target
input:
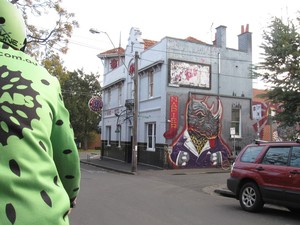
(135, 115)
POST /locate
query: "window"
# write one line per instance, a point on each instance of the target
(236, 121)
(295, 157)
(251, 154)
(108, 98)
(150, 83)
(151, 133)
(119, 132)
(108, 135)
(120, 94)
(277, 156)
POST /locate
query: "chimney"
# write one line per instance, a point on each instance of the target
(245, 40)
(221, 37)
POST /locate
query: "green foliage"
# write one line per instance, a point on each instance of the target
(281, 69)
(77, 90)
(54, 65)
(54, 38)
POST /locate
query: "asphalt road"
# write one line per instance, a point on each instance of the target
(164, 198)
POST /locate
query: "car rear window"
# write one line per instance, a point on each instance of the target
(251, 153)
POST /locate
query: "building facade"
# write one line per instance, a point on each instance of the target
(194, 100)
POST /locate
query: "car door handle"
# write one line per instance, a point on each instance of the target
(294, 172)
(260, 168)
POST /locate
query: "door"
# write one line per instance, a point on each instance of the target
(274, 173)
(293, 193)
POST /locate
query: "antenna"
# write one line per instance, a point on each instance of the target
(211, 35)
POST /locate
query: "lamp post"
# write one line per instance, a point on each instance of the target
(95, 31)
(135, 115)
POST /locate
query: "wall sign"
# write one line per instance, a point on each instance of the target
(189, 74)
(95, 104)
(173, 118)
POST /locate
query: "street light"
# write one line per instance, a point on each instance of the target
(95, 31)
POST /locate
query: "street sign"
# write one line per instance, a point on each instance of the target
(232, 130)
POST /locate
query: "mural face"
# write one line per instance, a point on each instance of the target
(200, 143)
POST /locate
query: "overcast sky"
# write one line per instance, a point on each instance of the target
(159, 18)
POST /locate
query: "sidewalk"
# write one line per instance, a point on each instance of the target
(112, 164)
(94, 159)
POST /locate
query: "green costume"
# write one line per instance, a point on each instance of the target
(39, 163)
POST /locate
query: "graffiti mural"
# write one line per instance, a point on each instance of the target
(200, 143)
(265, 127)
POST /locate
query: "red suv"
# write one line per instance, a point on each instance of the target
(267, 172)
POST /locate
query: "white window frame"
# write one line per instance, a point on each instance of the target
(108, 98)
(150, 83)
(108, 135)
(119, 129)
(151, 136)
(120, 94)
(236, 123)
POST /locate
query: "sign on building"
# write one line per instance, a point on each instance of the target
(256, 111)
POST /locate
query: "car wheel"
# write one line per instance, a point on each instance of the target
(250, 198)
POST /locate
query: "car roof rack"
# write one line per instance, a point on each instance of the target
(258, 141)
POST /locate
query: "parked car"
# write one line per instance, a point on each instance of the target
(267, 172)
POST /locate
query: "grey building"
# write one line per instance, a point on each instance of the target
(194, 100)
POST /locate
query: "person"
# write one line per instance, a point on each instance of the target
(39, 163)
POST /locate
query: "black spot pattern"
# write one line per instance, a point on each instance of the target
(14, 167)
(67, 151)
(43, 146)
(51, 116)
(69, 177)
(45, 82)
(10, 213)
(46, 198)
(65, 215)
(16, 115)
(76, 189)
(55, 180)
(59, 122)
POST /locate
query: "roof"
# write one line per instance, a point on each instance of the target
(118, 51)
(147, 44)
(192, 39)
(256, 93)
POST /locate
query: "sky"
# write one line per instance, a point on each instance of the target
(157, 19)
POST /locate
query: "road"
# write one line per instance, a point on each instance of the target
(164, 198)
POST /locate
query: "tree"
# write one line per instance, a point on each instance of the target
(281, 69)
(77, 90)
(54, 65)
(43, 42)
